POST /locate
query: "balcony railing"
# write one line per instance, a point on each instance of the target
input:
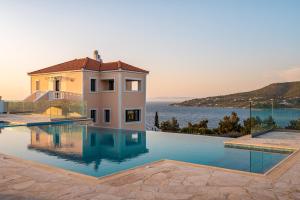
(58, 95)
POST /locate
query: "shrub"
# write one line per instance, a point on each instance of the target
(269, 121)
(199, 131)
(170, 125)
(294, 124)
(255, 121)
(198, 128)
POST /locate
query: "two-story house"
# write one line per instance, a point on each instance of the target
(114, 92)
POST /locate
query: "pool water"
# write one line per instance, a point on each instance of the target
(3, 124)
(98, 152)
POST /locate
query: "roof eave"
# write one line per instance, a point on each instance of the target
(38, 73)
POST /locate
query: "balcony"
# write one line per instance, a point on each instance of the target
(59, 95)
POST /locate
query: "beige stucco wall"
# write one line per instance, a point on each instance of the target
(101, 100)
(117, 101)
(71, 81)
(134, 100)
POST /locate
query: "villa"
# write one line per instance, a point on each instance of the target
(114, 92)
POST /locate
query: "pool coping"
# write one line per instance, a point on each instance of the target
(266, 148)
(42, 123)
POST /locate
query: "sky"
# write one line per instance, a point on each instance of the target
(191, 48)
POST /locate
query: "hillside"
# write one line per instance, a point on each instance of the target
(285, 95)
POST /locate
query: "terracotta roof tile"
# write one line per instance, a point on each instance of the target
(88, 64)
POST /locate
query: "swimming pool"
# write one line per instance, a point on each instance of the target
(98, 152)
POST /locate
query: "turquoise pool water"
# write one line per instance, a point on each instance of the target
(99, 152)
(3, 124)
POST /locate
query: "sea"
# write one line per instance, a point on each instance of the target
(213, 115)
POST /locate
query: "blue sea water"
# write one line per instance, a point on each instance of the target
(214, 115)
(98, 152)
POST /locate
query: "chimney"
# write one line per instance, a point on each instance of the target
(97, 56)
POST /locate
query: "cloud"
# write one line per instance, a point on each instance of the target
(292, 74)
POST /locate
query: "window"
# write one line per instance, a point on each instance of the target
(93, 86)
(132, 115)
(108, 85)
(111, 84)
(37, 85)
(133, 85)
(106, 115)
(93, 115)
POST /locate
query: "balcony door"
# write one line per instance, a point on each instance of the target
(54, 84)
(57, 85)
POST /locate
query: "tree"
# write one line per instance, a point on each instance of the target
(156, 120)
(230, 124)
(203, 123)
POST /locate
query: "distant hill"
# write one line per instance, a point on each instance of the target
(285, 95)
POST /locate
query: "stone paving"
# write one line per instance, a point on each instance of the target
(272, 140)
(20, 179)
(162, 180)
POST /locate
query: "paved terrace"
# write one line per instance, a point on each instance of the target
(21, 179)
(273, 140)
(20, 119)
(24, 119)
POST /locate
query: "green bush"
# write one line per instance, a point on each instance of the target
(228, 127)
(294, 124)
(198, 128)
(269, 122)
(170, 125)
(199, 131)
(246, 128)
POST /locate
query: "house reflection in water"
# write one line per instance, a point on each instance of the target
(85, 144)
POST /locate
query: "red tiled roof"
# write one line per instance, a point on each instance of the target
(88, 64)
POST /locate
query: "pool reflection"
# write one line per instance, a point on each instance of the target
(87, 144)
